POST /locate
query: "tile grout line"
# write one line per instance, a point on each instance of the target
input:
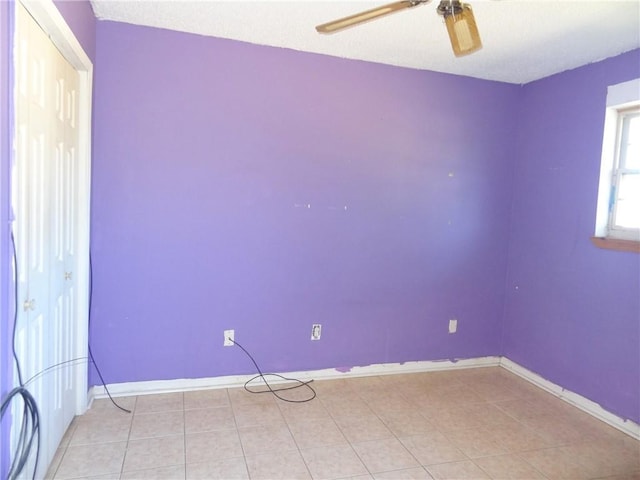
(184, 434)
(390, 431)
(299, 450)
(126, 448)
(237, 429)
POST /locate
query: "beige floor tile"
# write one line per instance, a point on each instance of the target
(382, 401)
(474, 443)
(490, 391)
(206, 398)
(249, 415)
(333, 462)
(214, 445)
(89, 460)
(406, 422)
(457, 470)
(101, 429)
(430, 405)
(418, 473)
(66, 438)
(161, 424)
(108, 476)
(154, 453)
(207, 419)
(458, 424)
(523, 409)
(605, 458)
(487, 415)
(266, 439)
(439, 378)
(278, 465)
(335, 389)
(399, 379)
(358, 429)
(455, 394)
(593, 430)
(55, 462)
(468, 375)
(556, 464)
(447, 417)
(174, 472)
(508, 467)
(111, 476)
(414, 392)
(162, 402)
(516, 437)
(223, 469)
(346, 407)
(363, 384)
(317, 432)
(384, 455)
(624, 476)
(327, 387)
(239, 396)
(555, 430)
(432, 448)
(302, 412)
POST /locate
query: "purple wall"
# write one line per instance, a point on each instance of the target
(80, 17)
(207, 152)
(6, 304)
(573, 310)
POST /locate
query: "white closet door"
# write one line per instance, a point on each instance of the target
(45, 186)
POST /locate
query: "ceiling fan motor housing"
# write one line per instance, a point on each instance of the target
(461, 27)
(449, 7)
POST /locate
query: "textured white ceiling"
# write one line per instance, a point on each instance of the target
(523, 40)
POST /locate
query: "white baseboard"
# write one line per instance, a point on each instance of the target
(185, 384)
(592, 408)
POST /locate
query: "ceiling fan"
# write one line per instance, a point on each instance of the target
(458, 17)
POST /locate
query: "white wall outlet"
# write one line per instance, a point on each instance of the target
(229, 337)
(453, 325)
(316, 330)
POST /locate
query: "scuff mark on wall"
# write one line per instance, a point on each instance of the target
(343, 369)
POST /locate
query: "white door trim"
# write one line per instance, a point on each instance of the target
(53, 23)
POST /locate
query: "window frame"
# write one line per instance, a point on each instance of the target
(623, 101)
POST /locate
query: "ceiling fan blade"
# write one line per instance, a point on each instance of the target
(362, 17)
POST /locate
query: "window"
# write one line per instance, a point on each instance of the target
(618, 214)
(624, 211)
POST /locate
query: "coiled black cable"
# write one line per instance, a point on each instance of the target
(30, 425)
(29, 431)
(274, 391)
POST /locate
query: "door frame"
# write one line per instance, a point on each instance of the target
(54, 25)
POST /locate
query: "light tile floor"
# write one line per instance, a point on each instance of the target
(463, 424)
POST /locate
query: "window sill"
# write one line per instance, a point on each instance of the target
(616, 244)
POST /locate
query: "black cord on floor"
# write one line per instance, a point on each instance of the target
(298, 383)
(104, 384)
(93, 360)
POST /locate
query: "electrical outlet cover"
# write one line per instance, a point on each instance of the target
(229, 336)
(316, 330)
(453, 325)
